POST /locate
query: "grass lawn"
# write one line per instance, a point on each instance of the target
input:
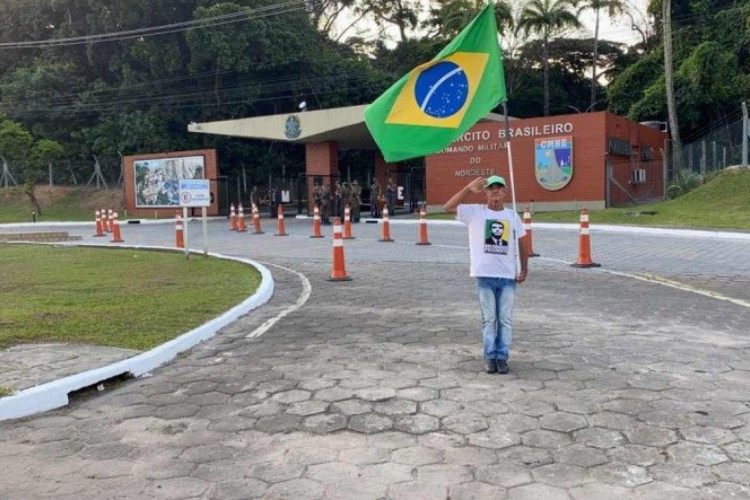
(4, 391)
(126, 298)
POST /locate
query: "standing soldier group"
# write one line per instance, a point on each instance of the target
(322, 199)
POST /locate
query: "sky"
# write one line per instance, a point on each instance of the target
(618, 30)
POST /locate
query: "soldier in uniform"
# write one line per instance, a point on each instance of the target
(356, 200)
(317, 195)
(390, 195)
(345, 198)
(325, 202)
(255, 197)
(272, 207)
(374, 199)
(337, 199)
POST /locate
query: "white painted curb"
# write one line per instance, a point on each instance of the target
(54, 394)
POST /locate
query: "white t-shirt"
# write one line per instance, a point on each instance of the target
(491, 233)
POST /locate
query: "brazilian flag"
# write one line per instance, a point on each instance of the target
(436, 102)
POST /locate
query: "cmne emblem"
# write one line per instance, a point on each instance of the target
(292, 128)
(553, 165)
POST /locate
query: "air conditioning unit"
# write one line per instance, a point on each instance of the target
(639, 176)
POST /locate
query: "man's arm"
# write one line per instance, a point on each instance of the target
(474, 186)
(523, 254)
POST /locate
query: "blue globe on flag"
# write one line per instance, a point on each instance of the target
(441, 90)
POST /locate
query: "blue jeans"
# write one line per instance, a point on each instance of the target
(496, 303)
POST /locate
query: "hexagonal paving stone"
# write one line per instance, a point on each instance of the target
(275, 472)
(469, 455)
(545, 439)
(397, 382)
(417, 455)
(396, 406)
(237, 489)
(291, 396)
(296, 488)
(739, 452)
(440, 407)
(278, 423)
(697, 454)
(563, 475)
(370, 423)
(598, 490)
(332, 394)
(440, 382)
(526, 456)
(306, 408)
(581, 455)
(323, 424)
(416, 424)
(621, 474)
(651, 436)
(465, 422)
(351, 407)
(375, 393)
(708, 435)
(536, 492)
(532, 408)
(504, 475)
(693, 476)
(562, 422)
(417, 490)
(599, 437)
(474, 490)
(444, 474)
(494, 438)
(365, 456)
(418, 394)
(634, 454)
(736, 472)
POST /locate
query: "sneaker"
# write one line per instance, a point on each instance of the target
(491, 366)
(502, 366)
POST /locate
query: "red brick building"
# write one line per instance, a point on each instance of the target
(607, 161)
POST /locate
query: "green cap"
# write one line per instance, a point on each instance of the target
(494, 179)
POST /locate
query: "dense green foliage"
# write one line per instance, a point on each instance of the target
(109, 77)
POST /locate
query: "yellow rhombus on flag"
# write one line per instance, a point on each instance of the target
(436, 102)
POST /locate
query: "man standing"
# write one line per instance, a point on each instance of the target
(374, 199)
(494, 263)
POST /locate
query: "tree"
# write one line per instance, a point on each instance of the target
(674, 128)
(449, 17)
(613, 7)
(547, 18)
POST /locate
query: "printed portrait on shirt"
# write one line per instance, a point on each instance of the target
(496, 236)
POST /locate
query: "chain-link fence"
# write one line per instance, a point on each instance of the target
(99, 172)
(718, 149)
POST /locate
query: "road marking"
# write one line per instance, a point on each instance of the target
(653, 278)
(306, 292)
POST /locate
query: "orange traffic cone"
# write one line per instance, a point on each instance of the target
(256, 220)
(338, 273)
(179, 237)
(348, 223)
(99, 227)
(386, 227)
(116, 238)
(232, 218)
(584, 243)
(527, 227)
(316, 223)
(241, 227)
(423, 227)
(281, 229)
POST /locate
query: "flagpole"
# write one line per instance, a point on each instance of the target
(512, 182)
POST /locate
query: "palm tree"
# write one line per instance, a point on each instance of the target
(453, 15)
(547, 17)
(613, 8)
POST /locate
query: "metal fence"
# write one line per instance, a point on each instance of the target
(722, 147)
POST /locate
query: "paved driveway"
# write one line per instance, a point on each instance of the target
(373, 388)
